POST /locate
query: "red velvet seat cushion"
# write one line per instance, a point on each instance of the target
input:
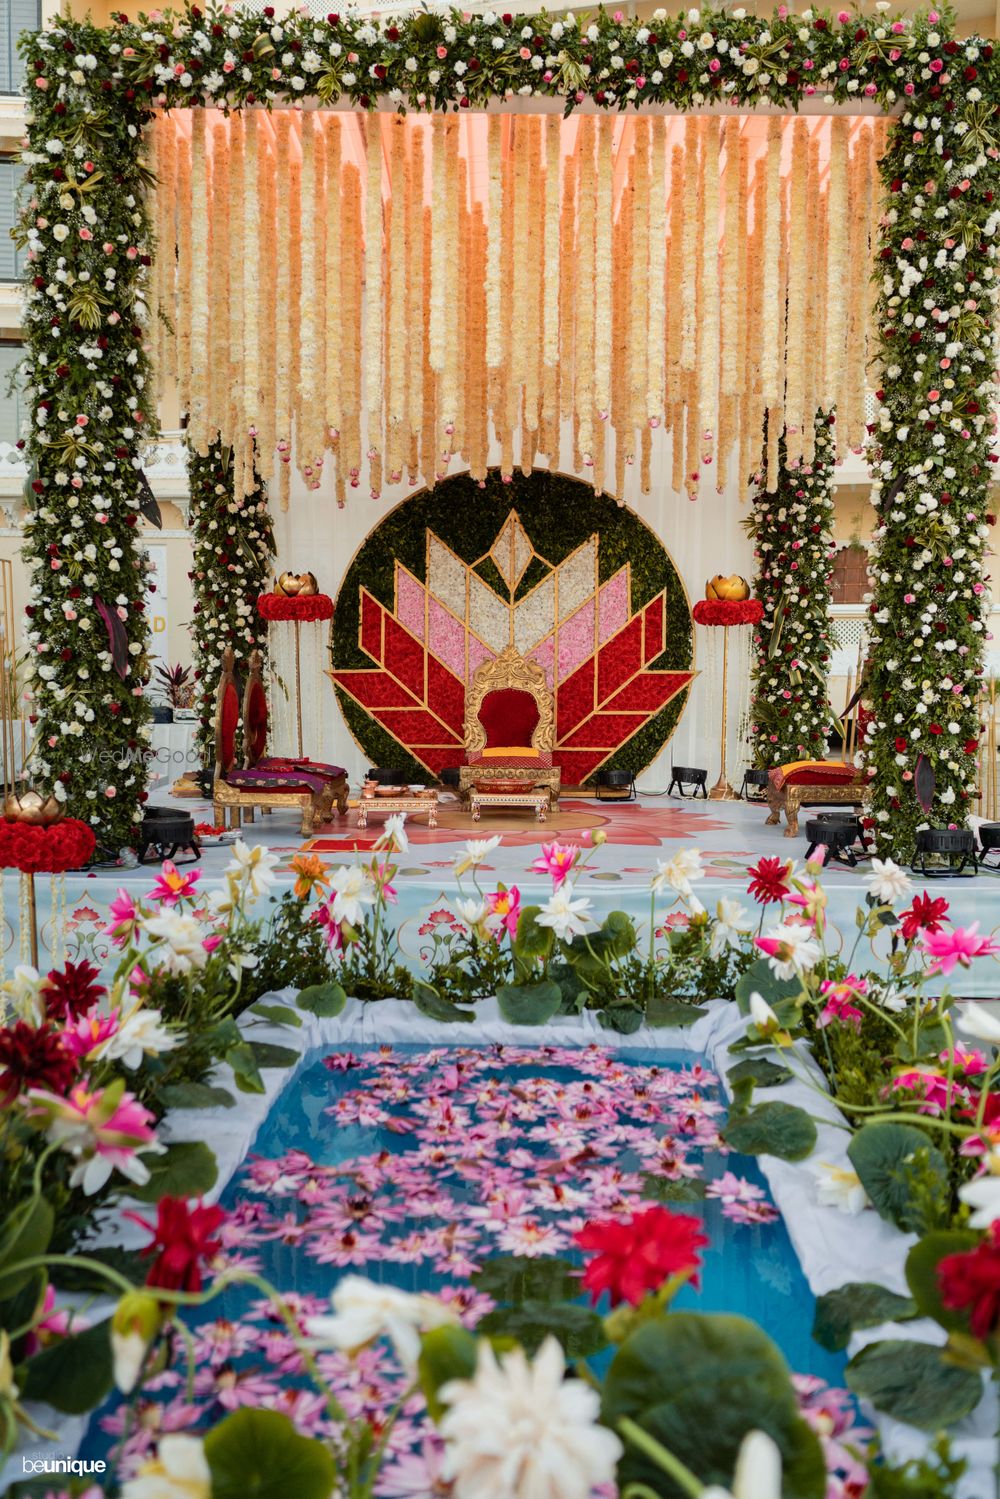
(283, 764)
(530, 760)
(509, 716)
(269, 780)
(819, 774)
(228, 720)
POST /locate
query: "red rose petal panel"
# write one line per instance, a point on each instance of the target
(603, 697)
(375, 689)
(620, 659)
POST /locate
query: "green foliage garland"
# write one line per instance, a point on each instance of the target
(89, 392)
(792, 532)
(932, 464)
(559, 514)
(233, 550)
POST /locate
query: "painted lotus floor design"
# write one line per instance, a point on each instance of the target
(416, 1166)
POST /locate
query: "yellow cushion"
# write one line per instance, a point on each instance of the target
(811, 765)
(522, 751)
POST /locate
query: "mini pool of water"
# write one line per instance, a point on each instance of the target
(414, 1165)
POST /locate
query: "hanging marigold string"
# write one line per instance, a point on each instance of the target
(600, 268)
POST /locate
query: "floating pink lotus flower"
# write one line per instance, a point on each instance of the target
(124, 915)
(838, 998)
(173, 886)
(932, 1088)
(87, 1032)
(959, 946)
(558, 860)
(506, 904)
(103, 1130)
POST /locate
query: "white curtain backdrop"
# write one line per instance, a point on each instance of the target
(703, 537)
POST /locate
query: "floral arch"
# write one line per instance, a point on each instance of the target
(93, 93)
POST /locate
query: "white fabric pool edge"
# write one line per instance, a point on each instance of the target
(833, 1248)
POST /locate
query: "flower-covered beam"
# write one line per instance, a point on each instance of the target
(233, 550)
(792, 533)
(92, 91)
(932, 469)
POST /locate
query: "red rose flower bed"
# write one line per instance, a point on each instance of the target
(728, 612)
(46, 850)
(309, 607)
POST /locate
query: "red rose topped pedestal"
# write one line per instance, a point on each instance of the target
(35, 838)
(298, 617)
(725, 614)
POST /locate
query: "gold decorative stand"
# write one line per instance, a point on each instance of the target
(722, 791)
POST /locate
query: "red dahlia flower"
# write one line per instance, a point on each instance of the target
(925, 915)
(33, 1057)
(769, 880)
(637, 1254)
(971, 1282)
(71, 992)
(181, 1241)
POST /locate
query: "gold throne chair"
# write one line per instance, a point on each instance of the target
(510, 726)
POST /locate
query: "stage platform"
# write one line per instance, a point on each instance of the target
(730, 835)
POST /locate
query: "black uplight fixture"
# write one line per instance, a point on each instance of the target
(615, 786)
(952, 852)
(688, 775)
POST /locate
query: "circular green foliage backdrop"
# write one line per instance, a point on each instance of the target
(559, 515)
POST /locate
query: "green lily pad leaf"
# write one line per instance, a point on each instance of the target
(681, 1375)
(773, 1128)
(187, 1169)
(325, 1000)
(74, 1373)
(517, 1278)
(579, 1329)
(25, 1235)
(859, 1304)
(760, 1071)
(196, 1096)
(445, 1353)
(662, 1189)
(277, 1014)
(921, 1274)
(621, 1018)
(258, 1454)
(673, 1012)
(904, 1174)
(604, 874)
(246, 1073)
(266, 1055)
(529, 1004)
(759, 979)
(911, 1382)
(429, 1002)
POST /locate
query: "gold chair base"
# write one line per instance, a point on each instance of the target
(545, 776)
(791, 798)
(316, 807)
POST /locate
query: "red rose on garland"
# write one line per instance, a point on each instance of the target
(307, 607)
(637, 1254)
(52, 849)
